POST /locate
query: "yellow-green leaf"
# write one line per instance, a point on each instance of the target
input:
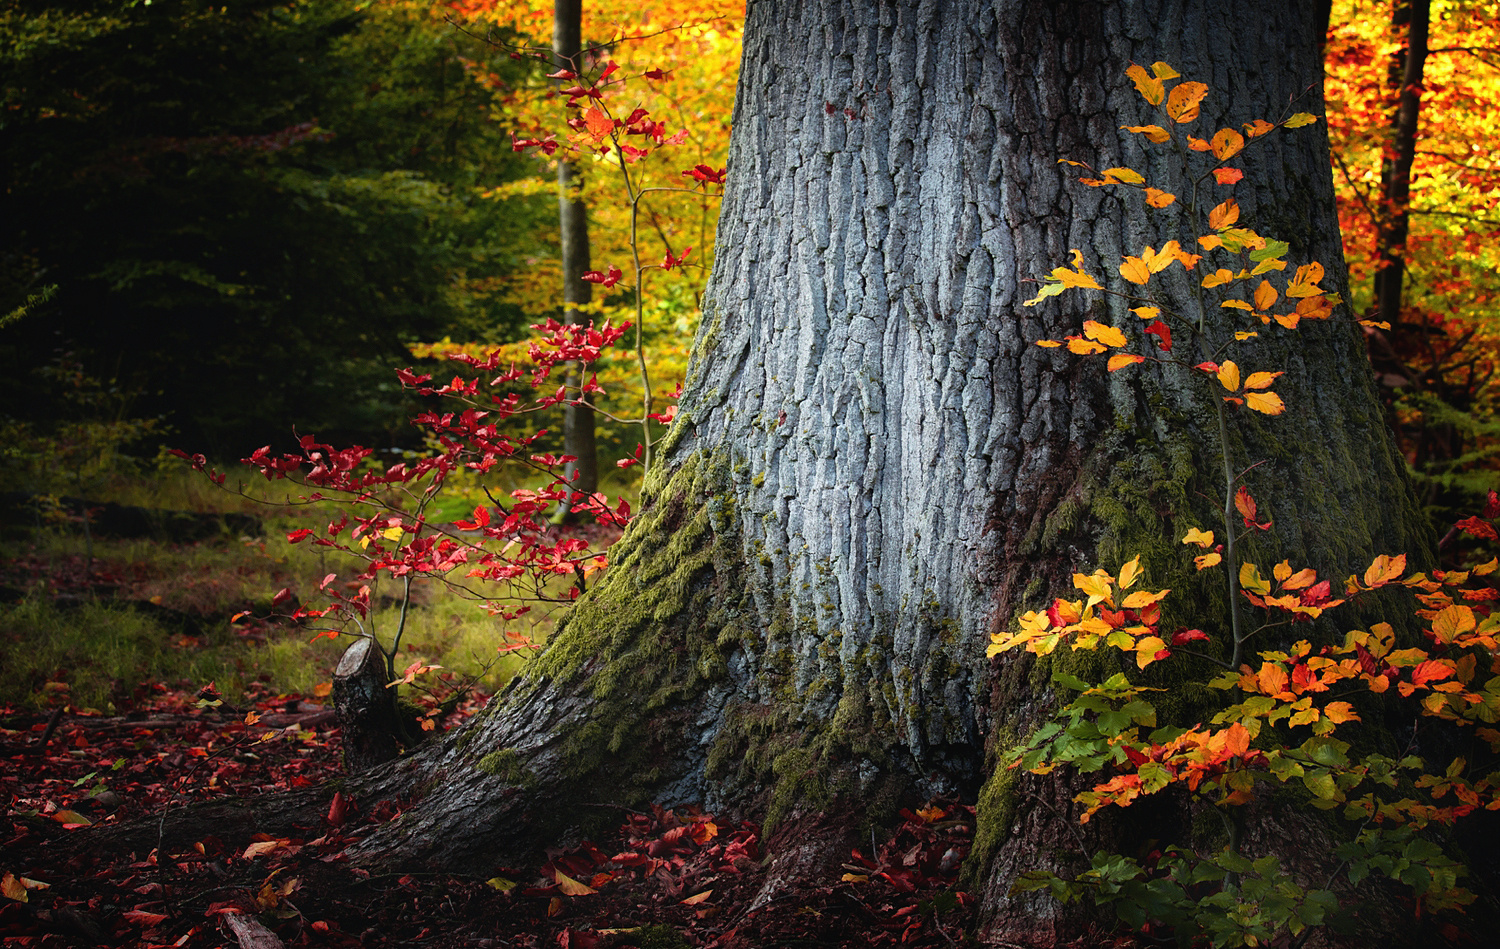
(1301, 119)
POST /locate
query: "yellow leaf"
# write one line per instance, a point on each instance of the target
(1229, 376)
(1135, 270)
(1242, 335)
(1201, 538)
(1208, 560)
(1147, 312)
(1451, 622)
(1159, 199)
(1282, 570)
(1227, 143)
(1148, 86)
(1266, 403)
(1153, 133)
(693, 900)
(501, 884)
(1265, 295)
(1250, 579)
(1128, 176)
(1049, 343)
(1083, 347)
(1184, 99)
(1141, 599)
(1146, 649)
(1217, 279)
(571, 887)
(1257, 128)
(1340, 712)
(1301, 119)
(1163, 71)
(1225, 215)
(12, 888)
(1121, 360)
(1130, 573)
(1305, 282)
(1107, 335)
(1096, 586)
(1261, 380)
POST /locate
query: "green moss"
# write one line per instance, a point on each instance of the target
(657, 936)
(508, 765)
(994, 813)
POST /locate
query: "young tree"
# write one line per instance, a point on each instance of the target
(873, 467)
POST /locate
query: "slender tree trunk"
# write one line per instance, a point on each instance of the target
(573, 222)
(1407, 65)
(873, 466)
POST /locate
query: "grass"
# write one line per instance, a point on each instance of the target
(99, 619)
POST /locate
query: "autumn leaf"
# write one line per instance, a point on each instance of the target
(1107, 335)
(1225, 215)
(1261, 380)
(1148, 86)
(1135, 270)
(1157, 198)
(1153, 133)
(1245, 504)
(1301, 119)
(597, 125)
(1265, 295)
(1229, 376)
(1305, 282)
(1201, 538)
(1250, 579)
(1127, 176)
(1121, 360)
(1217, 279)
(1149, 649)
(12, 888)
(1130, 573)
(1183, 101)
(1257, 128)
(1163, 334)
(1146, 312)
(1227, 143)
(1083, 347)
(1385, 569)
(1266, 403)
(571, 887)
(1228, 176)
(1452, 622)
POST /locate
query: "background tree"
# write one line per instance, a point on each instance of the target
(1412, 88)
(874, 467)
(247, 210)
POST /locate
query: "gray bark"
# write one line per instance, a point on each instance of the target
(874, 466)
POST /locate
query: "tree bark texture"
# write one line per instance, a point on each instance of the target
(874, 466)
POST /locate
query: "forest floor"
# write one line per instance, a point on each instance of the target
(108, 722)
(664, 879)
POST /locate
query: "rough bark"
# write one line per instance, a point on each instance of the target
(874, 467)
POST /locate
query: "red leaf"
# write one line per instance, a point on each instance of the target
(1228, 176)
(1475, 527)
(1187, 636)
(1163, 333)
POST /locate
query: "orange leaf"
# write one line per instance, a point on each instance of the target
(1305, 282)
(1135, 270)
(1130, 573)
(598, 124)
(1184, 99)
(1227, 143)
(1083, 347)
(1265, 295)
(1384, 569)
(1107, 335)
(1340, 712)
(1148, 86)
(1153, 133)
(1257, 128)
(1121, 360)
(1217, 279)
(1430, 671)
(1236, 740)
(1261, 380)
(1273, 679)
(1147, 312)
(1225, 215)
(1049, 343)
(1228, 176)
(693, 900)
(1229, 376)
(1159, 199)
(1208, 560)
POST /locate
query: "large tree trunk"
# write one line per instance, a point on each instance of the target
(873, 467)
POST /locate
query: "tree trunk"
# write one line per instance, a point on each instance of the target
(873, 466)
(573, 226)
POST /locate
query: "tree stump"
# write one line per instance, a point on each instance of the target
(366, 708)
